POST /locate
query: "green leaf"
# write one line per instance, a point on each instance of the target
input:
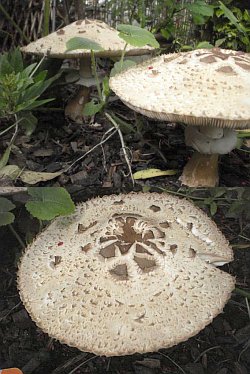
(120, 66)
(5, 66)
(31, 104)
(105, 87)
(219, 42)
(205, 45)
(28, 121)
(213, 208)
(152, 173)
(16, 60)
(91, 108)
(227, 13)
(5, 157)
(137, 36)
(200, 8)
(49, 202)
(82, 43)
(6, 217)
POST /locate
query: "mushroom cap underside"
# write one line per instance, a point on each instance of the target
(208, 87)
(54, 44)
(126, 274)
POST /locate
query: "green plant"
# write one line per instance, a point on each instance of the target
(20, 91)
(231, 26)
(175, 32)
(44, 203)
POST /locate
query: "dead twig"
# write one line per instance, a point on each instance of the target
(124, 150)
(93, 148)
(173, 362)
(81, 364)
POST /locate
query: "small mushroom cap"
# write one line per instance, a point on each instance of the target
(201, 87)
(126, 274)
(54, 44)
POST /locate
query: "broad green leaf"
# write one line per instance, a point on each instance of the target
(6, 217)
(137, 36)
(200, 8)
(33, 177)
(5, 66)
(5, 157)
(205, 45)
(82, 43)
(91, 108)
(213, 208)
(40, 77)
(28, 70)
(28, 121)
(198, 19)
(16, 60)
(120, 66)
(219, 42)
(49, 202)
(152, 173)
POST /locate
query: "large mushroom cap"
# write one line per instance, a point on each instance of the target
(201, 87)
(125, 274)
(54, 44)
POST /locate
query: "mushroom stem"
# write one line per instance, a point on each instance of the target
(201, 171)
(74, 108)
(85, 67)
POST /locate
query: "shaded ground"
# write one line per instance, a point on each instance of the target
(221, 348)
(57, 143)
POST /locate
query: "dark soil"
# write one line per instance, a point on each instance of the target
(57, 143)
(221, 348)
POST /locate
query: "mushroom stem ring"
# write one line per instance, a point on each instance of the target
(210, 140)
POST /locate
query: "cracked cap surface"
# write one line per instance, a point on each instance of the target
(126, 274)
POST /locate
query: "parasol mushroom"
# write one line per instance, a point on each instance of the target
(54, 45)
(126, 274)
(207, 89)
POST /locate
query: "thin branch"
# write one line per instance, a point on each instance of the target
(123, 145)
(81, 364)
(16, 236)
(93, 148)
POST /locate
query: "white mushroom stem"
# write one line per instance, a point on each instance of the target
(202, 169)
(74, 108)
(85, 67)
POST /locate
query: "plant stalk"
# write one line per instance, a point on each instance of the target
(46, 17)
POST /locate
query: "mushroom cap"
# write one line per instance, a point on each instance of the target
(126, 273)
(54, 44)
(201, 87)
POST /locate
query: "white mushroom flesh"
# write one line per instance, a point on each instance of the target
(124, 275)
(212, 140)
(208, 87)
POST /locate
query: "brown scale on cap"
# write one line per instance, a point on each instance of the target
(126, 278)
